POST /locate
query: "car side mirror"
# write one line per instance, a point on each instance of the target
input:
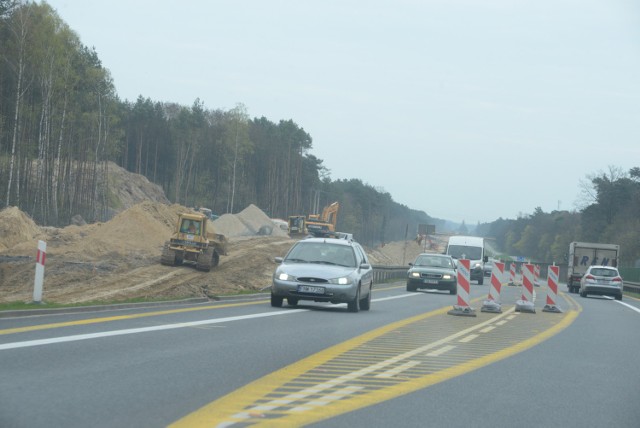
(278, 259)
(485, 259)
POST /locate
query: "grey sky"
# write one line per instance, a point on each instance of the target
(468, 110)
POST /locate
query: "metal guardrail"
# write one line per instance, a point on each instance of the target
(633, 287)
(388, 273)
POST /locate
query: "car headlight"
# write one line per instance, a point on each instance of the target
(414, 274)
(340, 281)
(283, 276)
(477, 266)
(446, 276)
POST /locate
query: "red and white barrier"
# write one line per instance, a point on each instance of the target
(464, 279)
(536, 275)
(492, 304)
(552, 290)
(525, 304)
(512, 274)
(497, 274)
(41, 257)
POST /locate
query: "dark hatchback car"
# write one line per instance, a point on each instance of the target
(433, 271)
(324, 270)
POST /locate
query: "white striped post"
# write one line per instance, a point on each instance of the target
(41, 256)
(527, 282)
(525, 304)
(552, 290)
(492, 304)
(497, 275)
(512, 274)
(464, 279)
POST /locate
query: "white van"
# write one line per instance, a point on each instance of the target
(471, 248)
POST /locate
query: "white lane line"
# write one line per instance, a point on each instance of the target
(403, 367)
(468, 338)
(77, 337)
(488, 329)
(628, 306)
(441, 351)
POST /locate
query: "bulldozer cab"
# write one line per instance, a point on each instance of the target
(191, 226)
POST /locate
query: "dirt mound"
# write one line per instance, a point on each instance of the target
(249, 222)
(130, 189)
(258, 223)
(16, 227)
(119, 259)
(230, 226)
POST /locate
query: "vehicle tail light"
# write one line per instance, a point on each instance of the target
(616, 279)
(590, 277)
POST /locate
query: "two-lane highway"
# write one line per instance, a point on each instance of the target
(404, 363)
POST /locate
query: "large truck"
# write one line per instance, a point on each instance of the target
(585, 254)
(471, 248)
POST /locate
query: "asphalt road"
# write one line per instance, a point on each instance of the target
(407, 362)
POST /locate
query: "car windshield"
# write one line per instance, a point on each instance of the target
(609, 273)
(432, 261)
(465, 252)
(323, 253)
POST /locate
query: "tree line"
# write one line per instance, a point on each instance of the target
(62, 122)
(610, 213)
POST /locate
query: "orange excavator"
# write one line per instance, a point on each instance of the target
(315, 224)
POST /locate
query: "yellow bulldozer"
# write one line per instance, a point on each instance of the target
(319, 225)
(194, 242)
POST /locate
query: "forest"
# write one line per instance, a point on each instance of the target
(62, 121)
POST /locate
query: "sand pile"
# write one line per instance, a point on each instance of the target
(139, 231)
(250, 221)
(16, 227)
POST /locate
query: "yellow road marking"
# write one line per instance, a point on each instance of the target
(134, 316)
(279, 398)
(122, 317)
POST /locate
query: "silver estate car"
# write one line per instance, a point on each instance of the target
(324, 270)
(602, 281)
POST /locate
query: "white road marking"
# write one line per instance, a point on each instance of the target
(77, 337)
(393, 372)
(628, 306)
(441, 351)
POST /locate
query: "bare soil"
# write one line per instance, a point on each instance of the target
(119, 260)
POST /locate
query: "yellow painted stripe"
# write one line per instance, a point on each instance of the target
(134, 316)
(223, 409)
(123, 317)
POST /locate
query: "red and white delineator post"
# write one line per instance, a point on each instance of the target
(464, 279)
(552, 290)
(492, 304)
(525, 304)
(41, 256)
(512, 274)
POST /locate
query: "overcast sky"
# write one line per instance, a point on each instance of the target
(468, 110)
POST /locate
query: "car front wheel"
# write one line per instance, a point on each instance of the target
(365, 304)
(354, 305)
(276, 301)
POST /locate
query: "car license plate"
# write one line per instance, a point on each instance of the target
(310, 289)
(430, 281)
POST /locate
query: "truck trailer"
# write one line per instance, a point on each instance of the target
(585, 254)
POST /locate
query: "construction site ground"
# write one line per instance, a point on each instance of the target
(119, 260)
